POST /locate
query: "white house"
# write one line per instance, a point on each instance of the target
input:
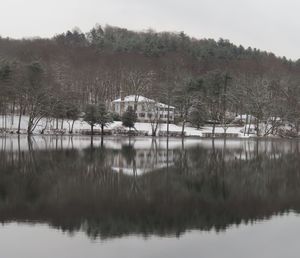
(147, 110)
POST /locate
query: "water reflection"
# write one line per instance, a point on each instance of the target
(146, 186)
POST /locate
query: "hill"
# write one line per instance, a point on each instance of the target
(203, 77)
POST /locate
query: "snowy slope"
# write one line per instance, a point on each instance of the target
(12, 125)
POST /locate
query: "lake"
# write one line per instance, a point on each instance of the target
(75, 197)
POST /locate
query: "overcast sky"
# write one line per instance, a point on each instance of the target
(271, 25)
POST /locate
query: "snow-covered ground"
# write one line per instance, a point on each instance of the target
(146, 127)
(12, 125)
(231, 130)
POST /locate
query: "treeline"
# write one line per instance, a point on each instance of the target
(206, 80)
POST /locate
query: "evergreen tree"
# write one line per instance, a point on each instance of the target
(97, 114)
(91, 116)
(129, 118)
(104, 117)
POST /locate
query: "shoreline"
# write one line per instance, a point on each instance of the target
(95, 136)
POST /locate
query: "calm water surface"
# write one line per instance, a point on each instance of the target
(139, 197)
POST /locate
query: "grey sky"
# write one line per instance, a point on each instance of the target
(270, 25)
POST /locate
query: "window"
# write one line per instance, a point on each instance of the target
(142, 115)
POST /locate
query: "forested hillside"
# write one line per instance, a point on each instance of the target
(206, 80)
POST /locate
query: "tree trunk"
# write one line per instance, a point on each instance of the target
(213, 129)
(5, 119)
(182, 130)
(249, 126)
(245, 129)
(154, 129)
(71, 131)
(102, 129)
(19, 123)
(13, 113)
(29, 128)
(92, 130)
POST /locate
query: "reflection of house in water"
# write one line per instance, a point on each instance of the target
(141, 161)
(141, 156)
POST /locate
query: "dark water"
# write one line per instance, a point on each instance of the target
(73, 197)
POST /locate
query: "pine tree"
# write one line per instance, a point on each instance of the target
(104, 117)
(129, 118)
(91, 116)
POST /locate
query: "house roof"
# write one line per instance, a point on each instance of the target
(141, 99)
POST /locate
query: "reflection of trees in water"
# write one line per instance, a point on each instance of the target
(205, 188)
